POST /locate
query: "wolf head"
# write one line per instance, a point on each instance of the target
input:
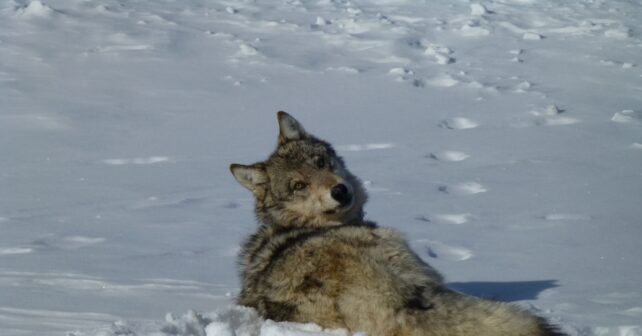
(303, 183)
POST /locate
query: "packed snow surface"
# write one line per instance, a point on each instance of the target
(503, 137)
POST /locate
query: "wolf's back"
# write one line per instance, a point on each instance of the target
(365, 278)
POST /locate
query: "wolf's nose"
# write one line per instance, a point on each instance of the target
(340, 193)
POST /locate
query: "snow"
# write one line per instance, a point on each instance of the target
(503, 137)
(34, 9)
(477, 9)
(459, 123)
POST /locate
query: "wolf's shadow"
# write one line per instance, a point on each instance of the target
(504, 291)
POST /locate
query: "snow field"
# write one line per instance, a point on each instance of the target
(502, 137)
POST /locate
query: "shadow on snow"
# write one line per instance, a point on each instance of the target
(504, 291)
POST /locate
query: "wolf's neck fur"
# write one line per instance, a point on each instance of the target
(279, 219)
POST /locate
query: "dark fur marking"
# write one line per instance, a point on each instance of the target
(299, 239)
(278, 311)
(260, 235)
(309, 283)
(418, 300)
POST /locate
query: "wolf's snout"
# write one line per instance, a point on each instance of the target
(341, 194)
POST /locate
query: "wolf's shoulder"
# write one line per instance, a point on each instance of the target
(268, 244)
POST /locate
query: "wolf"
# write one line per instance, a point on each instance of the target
(314, 258)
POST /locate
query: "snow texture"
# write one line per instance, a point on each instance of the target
(503, 137)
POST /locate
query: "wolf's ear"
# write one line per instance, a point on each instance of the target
(289, 128)
(252, 177)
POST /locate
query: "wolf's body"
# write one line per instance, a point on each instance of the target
(314, 258)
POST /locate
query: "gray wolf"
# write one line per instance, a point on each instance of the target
(315, 259)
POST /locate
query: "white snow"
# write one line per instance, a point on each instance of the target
(443, 80)
(136, 161)
(503, 137)
(532, 36)
(33, 9)
(449, 156)
(620, 33)
(472, 30)
(628, 117)
(452, 218)
(477, 9)
(439, 250)
(459, 123)
(464, 188)
(357, 148)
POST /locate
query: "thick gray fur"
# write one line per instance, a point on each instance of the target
(313, 259)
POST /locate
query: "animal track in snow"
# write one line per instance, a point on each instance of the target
(456, 219)
(67, 243)
(444, 80)
(628, 117)
(344, 69)
(477, 9)
(565, 217)
(401, 72)
(372, 188)
(621, 33)
(15, 250)
(452, 218)
(532, 36)
(62, 243)
(623, 65)
(34, 9)
(175, 201)
(117, 48)
(136, 161)
(552, 116)
(472, 29)
(464, 188)
(404, 75)
(523, 86)
(449, 156)
(550, 111)
(458, 123)
(516, 55)
(246, 50)
(439, 250)
(439, 53)
(364, 147)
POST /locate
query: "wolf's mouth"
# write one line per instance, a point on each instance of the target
(340, 208)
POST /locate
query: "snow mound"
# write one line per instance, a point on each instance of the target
(271, 328)
(477, 9)
(236, 320)
(34, 9)
(627, 117)
(621, 33)
(239, 321)
(459, 123)
(449, 156)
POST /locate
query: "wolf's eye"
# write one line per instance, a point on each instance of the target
(298, 185)
(320, 162)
